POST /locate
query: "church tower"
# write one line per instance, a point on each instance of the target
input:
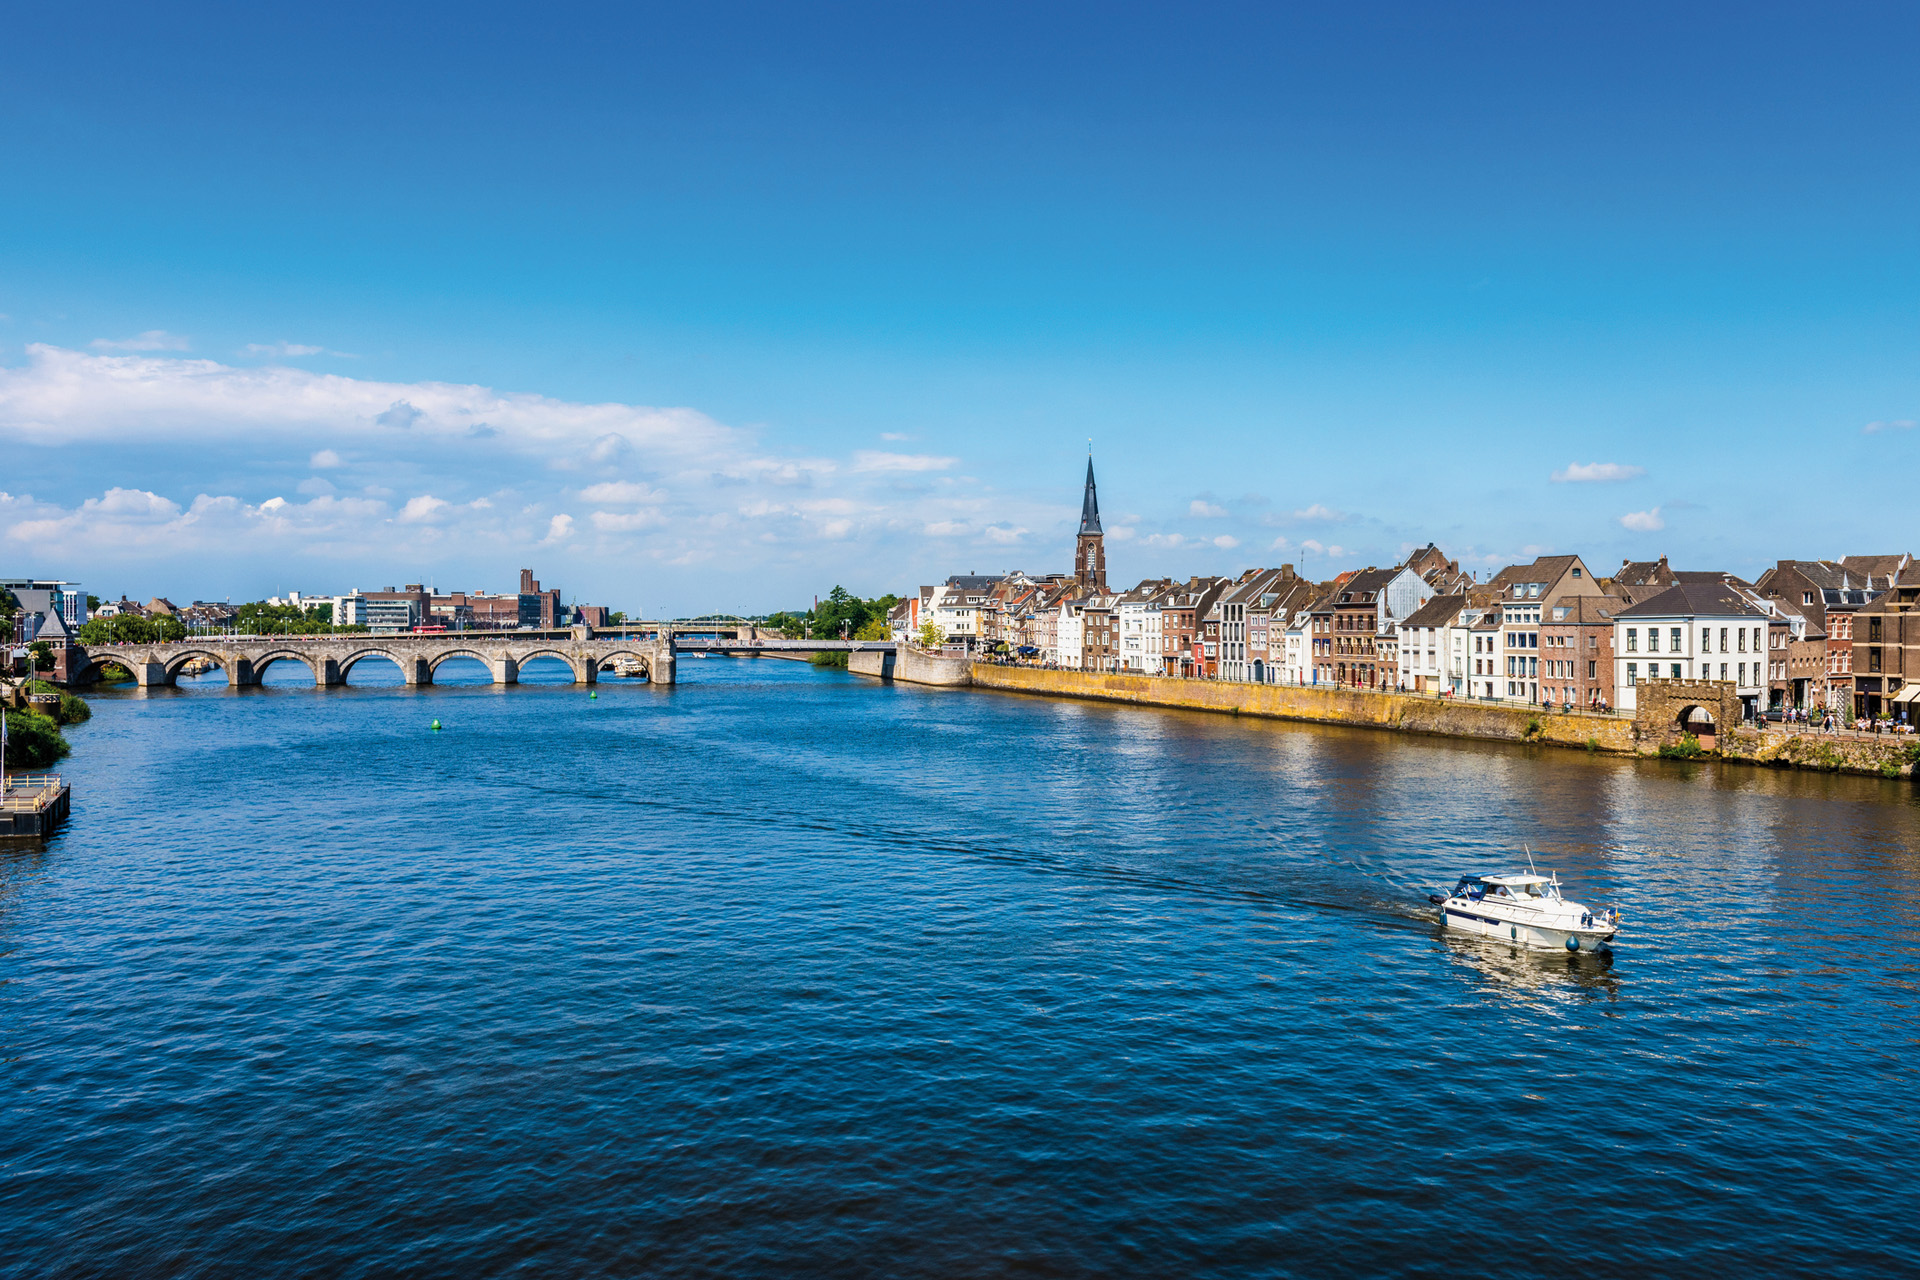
(1090, 550)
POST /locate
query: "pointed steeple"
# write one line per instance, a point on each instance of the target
(1090, 505)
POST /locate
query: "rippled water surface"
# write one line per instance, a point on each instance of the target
(781, 972)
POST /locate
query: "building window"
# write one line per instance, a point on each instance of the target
(1591, 669)
(1653, 639)
(1676, 670)
(1633, 640)
(1632, 674)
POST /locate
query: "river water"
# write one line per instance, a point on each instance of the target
(781, 972)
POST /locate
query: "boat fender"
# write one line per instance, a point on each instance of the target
(1573, 944)
(1435, 899)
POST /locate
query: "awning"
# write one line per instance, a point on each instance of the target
(1907, 694)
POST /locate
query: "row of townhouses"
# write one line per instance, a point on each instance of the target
(1808, 634)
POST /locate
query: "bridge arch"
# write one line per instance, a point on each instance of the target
(579, 677)
(643, 656)
(447, 655)
(399, 660)
(262, 661)
(179, 658)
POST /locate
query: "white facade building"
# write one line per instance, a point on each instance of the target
(1692, 631)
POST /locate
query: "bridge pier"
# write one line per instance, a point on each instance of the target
(148, 675)
(415, 671)
(326, 674)
(660, 667)
(505, 671)
(240, 672)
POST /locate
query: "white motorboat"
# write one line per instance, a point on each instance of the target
(1526, 910)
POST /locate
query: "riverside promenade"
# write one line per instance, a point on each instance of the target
(1661, 721)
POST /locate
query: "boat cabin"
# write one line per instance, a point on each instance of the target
(1507, 888)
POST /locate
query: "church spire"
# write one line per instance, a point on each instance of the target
(1090, 505)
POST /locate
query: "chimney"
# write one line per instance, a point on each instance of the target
(528, 585)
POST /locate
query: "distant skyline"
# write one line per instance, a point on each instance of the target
(702, 308)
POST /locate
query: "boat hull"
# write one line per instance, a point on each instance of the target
(1544, 935)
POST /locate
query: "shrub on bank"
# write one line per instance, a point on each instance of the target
(837, 658)
(1687, 748)
(33, 742)
(73, 708)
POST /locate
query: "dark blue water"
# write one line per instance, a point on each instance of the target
(783, 973)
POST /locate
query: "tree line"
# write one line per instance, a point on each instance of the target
(841, 615)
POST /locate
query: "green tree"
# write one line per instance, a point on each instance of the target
(42, 655)
(932, 636)
(33, 742)
(131, 628)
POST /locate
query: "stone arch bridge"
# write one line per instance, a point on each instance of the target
(246, 658)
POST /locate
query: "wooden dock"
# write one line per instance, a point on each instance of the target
(33, 804)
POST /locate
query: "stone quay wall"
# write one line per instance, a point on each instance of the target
(910, 665)
(1407, 713)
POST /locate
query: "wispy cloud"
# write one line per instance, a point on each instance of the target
(1319, 511)
(151, 340)
(1226, 541)
(1643, 521)
(1596, 473)
(1890, 424)
(875, 460)
(270, 349)
(1206, 510)
(323, 459)
(623, 493)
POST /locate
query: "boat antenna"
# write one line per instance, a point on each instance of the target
(1530, 865)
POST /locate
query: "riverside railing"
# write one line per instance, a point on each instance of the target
(29, 792)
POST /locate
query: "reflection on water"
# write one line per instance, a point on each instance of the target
(780, 972)
(1528, 974)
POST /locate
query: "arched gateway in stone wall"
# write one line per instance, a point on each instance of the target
(1666, 710)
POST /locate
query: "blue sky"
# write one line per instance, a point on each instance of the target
(714, 306)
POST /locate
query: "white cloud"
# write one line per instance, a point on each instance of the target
(1313, 547)
(1279, 544)
(1644, 521)
(1206, 510)
(626, 521)
(151, 340)
(1121, 533)
(673, 487)
(1226, 541)
(875, 460)
(622, 493)
(1319, 512)
(1596, 473)
(281, 349)
(1890, 424)
(895, 436)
